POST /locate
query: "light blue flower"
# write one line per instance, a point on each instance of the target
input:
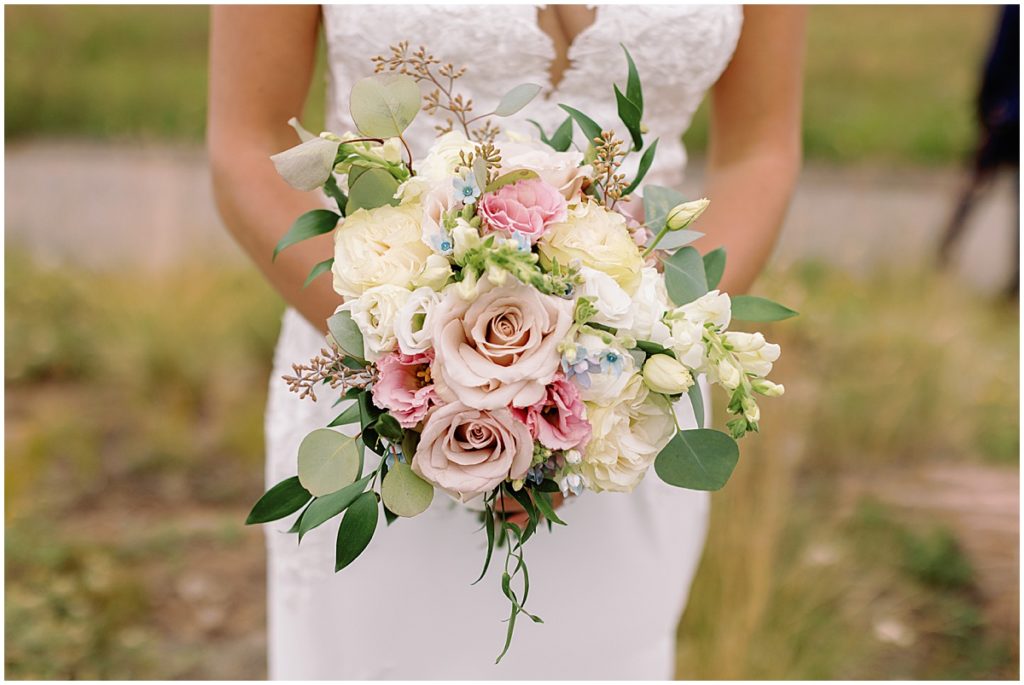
(611, 362)
(522, 242)
(442, 242)
(466, 188)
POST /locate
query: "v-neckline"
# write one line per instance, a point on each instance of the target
(570, 49)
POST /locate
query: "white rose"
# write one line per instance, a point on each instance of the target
(713, 307)
(412, 323)
(753, 352)
(375, 313)
(649, 306)
(613, 304)
(376, 247)
(561, 170)
(627, 436)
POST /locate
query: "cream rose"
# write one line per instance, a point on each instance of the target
(375, 313)
(597, 238)
(499, 349)
(469, 452)
(376, 247)
(627, 436)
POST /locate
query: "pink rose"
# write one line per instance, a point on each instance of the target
(526, 207)
(404, 387)
(469, 452)
(501, 348)
(559, 420)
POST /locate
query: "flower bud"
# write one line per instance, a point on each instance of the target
(664, 374)
(767, 388)
(685, 214)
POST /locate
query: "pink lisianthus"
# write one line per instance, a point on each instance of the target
(404, 387)
(528, 207)
(558, 421)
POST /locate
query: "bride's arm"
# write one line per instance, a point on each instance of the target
(261, 63)
(755, 145)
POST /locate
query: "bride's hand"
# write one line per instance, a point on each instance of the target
(514, 512)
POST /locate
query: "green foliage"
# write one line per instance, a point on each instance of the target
(714, 267)
(356, 529)
(517, 98)
(346, 334)
(759, 309)
(285, 498)
(684, 276)
(370, 187)
(405, 493)
(383, 105)
(323, 509)
(311, 224)
(328, 461)
(697, 402)
(510, 178)
(646, 159)
(658, 202)
(698, 459)
(319, 268)
(589, 127)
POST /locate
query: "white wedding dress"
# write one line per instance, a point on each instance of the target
(611, 585)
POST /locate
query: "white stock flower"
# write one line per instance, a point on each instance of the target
(412, 323)
(753, 352)
(613, 304)
(375, 313)
(649, 306)
(376, 247)
(713, 307)
(687, 341)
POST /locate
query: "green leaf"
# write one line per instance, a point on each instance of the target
(374, 187)
(758, 309)
(328, 461)
(589, 127)
(510, 178)
(384, 105)
(368, 411)
(562, 138)
(650, 348)
(714, 267)
(629, 113)
(633, 89)
(350, 415)
(697, 402)
(332, 191)
(309, 225)
(517, 98)
(356, 529)
(658, 202)
(547, 485)
(543, 502)
(320, 268)
(327, 507)
(676, 239)
(285, 498)
(489, 527)
(298, 520)
(540, 130)
(346, 334)
(646, 159)
(480, 171)
(404, 492)
(684, 276)
(307, 166)
(699, 459)
(387, 426)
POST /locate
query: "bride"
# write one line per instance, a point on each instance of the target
(612, 585)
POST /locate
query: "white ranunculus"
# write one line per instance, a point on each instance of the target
(714, 307)
(613, 304)
(375, 313)
(753, 352)
(627, 436)
(649, 306)
(561, 170)
(413, 322)
(376, 247)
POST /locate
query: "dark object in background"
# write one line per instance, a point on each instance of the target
(998, 136)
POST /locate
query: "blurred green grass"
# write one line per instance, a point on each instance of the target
(134, 449)
(884, 83)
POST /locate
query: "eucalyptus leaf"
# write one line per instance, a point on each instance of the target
(510, 178)
(589, 127)
(658, 202)
(300, 130)
(697, 403)
(676, 239)
(480, 171)
(684, 276)
(629, 113)
(346, 333)
(320, 268)
(699, 459)
(404, 492)
(714, 267)
(383, 105)
(285, 498)
(374, 187)
(327, 507)
(311, 224)
(356, 529)
(517, 98)
(308, 165)
(759, 309)
(646, 159)
(328, 461)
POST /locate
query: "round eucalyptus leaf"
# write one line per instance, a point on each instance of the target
(510, 178)
(328, 461)
(404, 492)
(373, 188)
(384, 105)
(517, 98)
(699, 459)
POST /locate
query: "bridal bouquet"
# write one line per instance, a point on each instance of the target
(508, 332)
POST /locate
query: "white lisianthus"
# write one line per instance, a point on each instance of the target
(560, 170)
(437, 270)
(666, 375)
(597, 238)
(649, 306)
(613, 304)
(753, 352)
(375, 313)
(681, 216)
(627, 436)
(714, 307)
(376, 247)
(412, 323)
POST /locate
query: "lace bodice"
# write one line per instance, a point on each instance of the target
(679, 50)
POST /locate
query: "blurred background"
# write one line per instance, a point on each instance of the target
(871, 530)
